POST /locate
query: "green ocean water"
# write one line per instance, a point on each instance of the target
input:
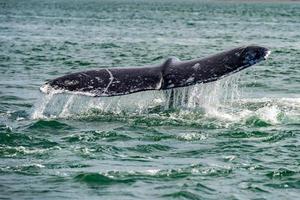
(238, 138)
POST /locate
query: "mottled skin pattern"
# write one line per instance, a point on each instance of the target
(172, 73)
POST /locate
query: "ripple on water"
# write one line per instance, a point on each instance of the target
(96, 151)
(21, 151)
(295, 184)
(15, 139)
(152, 175)
(93, 136)
(50, 125)
(149, 148)
(183, 194)
(25, 169)
(99, 179)
(283, 173)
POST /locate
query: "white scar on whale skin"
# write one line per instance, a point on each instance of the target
(111, 78)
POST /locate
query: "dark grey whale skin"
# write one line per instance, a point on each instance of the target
(173, 73)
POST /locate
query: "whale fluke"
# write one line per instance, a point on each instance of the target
(173, 73)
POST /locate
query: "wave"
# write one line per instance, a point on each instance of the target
(49, 124)
(113, 177)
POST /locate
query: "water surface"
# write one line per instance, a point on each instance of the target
(237, 138)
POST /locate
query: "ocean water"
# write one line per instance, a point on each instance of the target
(237, 138)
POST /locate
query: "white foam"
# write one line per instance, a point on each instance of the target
(152, 171)
(192, 136)
(269, 114)
(267, 54)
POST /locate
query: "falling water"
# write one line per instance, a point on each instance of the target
(212, 98)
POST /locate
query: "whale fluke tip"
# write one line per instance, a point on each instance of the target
(46, 88)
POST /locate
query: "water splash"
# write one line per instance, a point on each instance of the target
(203, 96)
(40, 107)
(222, 100)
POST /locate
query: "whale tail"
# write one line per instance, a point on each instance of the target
(173, 73)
